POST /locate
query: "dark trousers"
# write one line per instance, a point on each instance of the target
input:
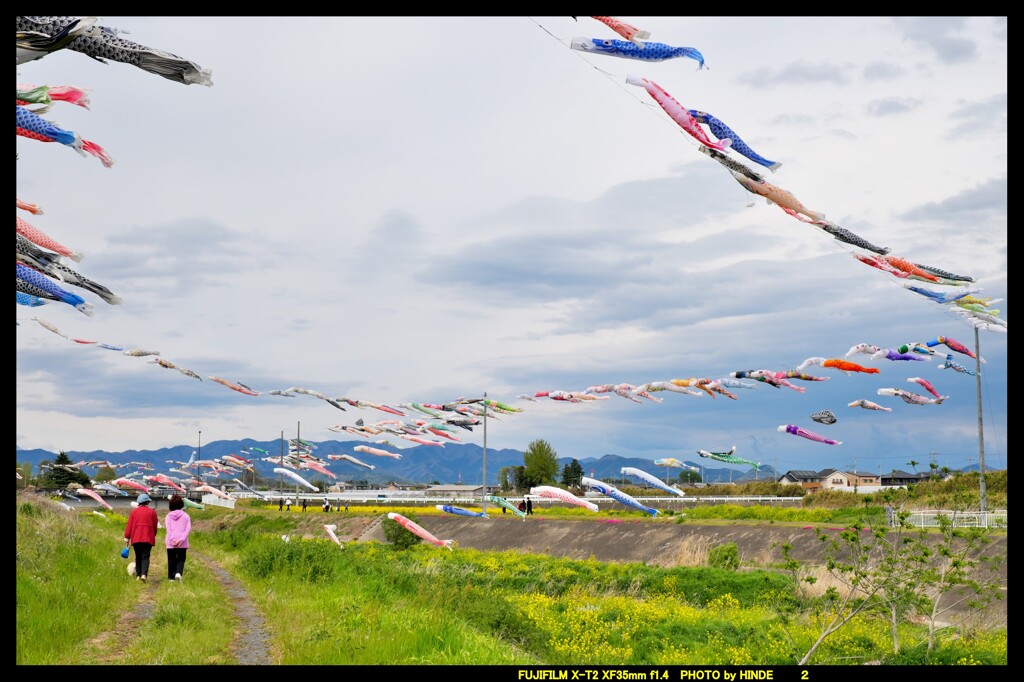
(142, 550)
(175, 561)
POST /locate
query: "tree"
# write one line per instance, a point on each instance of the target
(902, 556)
(397, 535)
(519, 478)
(540, 462)
(913, 463)
(505, 478)
(572, 474)
(689, 476)
(59, 475)
(25, 471)
(959, 567)
(105, 474)
(847, 558)
(899, 571)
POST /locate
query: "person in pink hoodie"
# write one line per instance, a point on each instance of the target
(178, 525)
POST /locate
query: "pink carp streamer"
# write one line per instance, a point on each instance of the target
(553, 493)
(40, 238)
(46, 94)
(233, 386)
(131, 484)
(419, 530)
(94, 495)
(952, 344)
(330, 528)
(627, 31)
(376, 451)
(809, 435)
(912, 398)
(34, 209)
(927, 385)
(868, 405)
(678, 113)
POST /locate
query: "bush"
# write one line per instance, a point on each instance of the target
(725, 556)
(398, 536)
(752, 488)
(310, 561)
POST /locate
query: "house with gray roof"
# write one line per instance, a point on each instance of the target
(805, 478)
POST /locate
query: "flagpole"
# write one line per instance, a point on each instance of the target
(199, 456)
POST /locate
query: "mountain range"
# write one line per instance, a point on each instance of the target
(452, 464)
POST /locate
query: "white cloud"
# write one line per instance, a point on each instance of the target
(413, 209)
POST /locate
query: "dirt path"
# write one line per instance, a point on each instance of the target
(251, 644)
(252, 641)
(114, 643)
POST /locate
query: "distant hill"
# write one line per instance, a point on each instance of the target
(453, 463)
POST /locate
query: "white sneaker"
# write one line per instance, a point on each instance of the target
(177, 576)
(142, 578)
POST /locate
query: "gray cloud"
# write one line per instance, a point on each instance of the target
(796, 73)
(892, 105)
(882, 71)
(984, 201)
(999, 28)
(936, 34)
(987, 117)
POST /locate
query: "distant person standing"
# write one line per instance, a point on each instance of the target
(890, 515)
(327, 505)
(280, 504)
(346, 505)
(529, 506)
(178, 525)
(140, 533)
(288, 504)
(303, 504)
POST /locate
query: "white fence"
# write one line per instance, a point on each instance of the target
(400, 498)
(960, 519)
(210, 498)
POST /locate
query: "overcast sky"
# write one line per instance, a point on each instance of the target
(417, 209)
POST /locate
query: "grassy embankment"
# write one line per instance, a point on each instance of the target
(371, 604)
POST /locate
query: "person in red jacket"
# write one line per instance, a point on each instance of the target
(140, 533)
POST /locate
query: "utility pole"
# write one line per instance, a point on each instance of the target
(981, 431)
(483, 493)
